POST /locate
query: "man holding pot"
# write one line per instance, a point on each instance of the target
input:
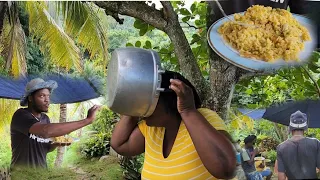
(180, 140)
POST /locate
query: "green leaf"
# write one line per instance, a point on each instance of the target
(198, 22)
(171, 48)
(186, 19)
(164, 50)
(314, 68)
(138, 44)
(185, 12)
(309, 86)
(150, 28)
(205, 73)
(148, 44)
(195, 38)
(193, 7)
(129, 45)
(143, 30)
(139, 24)
(174, 60)
(13, 42)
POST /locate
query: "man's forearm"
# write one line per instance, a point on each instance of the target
(57, 129)
(214, 148)
(60, 129)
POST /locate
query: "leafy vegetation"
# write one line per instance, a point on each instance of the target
(5, 150)
(97, 145)
(132, 166)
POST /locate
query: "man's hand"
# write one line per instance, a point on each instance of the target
(92, 113)
(184, 95)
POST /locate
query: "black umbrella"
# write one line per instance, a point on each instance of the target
(281, 113)
(70, 89)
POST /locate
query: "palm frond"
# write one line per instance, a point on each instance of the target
(13, 44)
(82, 22)
(60, 47)
(7, 109)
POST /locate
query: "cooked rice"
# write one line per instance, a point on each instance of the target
(278, 36)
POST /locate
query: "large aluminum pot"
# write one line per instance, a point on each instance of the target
(133, 81)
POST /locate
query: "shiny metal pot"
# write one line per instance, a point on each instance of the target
(133, 81)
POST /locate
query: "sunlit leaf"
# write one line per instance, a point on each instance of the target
(60, 47)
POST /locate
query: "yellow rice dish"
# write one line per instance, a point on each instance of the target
(62, 139)
(278, 34)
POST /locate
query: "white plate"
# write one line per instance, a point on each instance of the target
(218, 44)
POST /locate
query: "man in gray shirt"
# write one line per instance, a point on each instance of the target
(299, 156)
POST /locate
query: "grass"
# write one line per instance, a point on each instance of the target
(106, 170)
(5, 150)
(83, 169)
(32, 174)
(74, 165)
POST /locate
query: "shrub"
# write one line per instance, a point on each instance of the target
(97, 145)
(272, 155)
(105, 121)
(267, 143)
(132, 166)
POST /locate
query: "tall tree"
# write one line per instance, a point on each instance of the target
(222, 75)
(61, 150)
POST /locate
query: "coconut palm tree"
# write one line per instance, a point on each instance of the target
(58, 27)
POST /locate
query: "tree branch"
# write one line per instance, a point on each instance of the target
(168, 22)
(191, 26)
(187, 61)
(246, 74)
(168, 11)
(135, 9)
(312, 79)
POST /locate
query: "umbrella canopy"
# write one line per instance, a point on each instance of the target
(281, 113)
(70, 89)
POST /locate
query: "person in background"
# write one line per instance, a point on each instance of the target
(31, 128)
(248, 165)
(239, 171)
(299, 156)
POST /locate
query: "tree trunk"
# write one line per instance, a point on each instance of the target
(223, 75)
(61, 150)
(3, 10)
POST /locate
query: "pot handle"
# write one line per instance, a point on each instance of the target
(160, 71)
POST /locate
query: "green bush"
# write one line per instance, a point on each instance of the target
(97, 145)
(272, 155)
(105, 121)
(132, 166)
